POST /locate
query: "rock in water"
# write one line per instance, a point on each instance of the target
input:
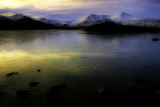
(12, 73)
(138, 80)
(54, 93)
(2, 93)
(22, 93)
(38, 70)
(155, 39)
(147, 66)
(131, 86)
(33, 84)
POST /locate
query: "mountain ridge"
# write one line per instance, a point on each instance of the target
(20, 21)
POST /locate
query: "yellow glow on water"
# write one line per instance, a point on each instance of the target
(24, 55)
(63, 61)
(16, 60)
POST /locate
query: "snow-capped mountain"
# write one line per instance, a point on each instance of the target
(127, 19)
(64, 21)
(122, 16)
(56, 22)
(86, 21)
(90, 20)
(141, 22)
(50, 21)
(118, 18)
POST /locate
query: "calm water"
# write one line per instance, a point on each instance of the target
(84, 62)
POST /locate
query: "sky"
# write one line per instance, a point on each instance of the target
(74, 9)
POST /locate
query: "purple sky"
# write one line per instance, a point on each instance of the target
(76, 8)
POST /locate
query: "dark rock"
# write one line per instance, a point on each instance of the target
(138, 80)
(100, 90)
(107, 94)
(131, 86)
(22, 93)
(54, 93)
(155, 39)
(147, 66)
(2, 93)
(158, 84)
(33, 84)
(12, 73)
(157, 92)
(57, 89)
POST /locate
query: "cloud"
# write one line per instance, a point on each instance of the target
(77, 8)
(47, 4)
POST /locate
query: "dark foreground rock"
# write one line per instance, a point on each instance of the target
(38, 70)
(22, 93)
(155, 39)
(2, 93)
(12, 73)
(147, 66)
(33, 84)
(54, 93)
(138, 80)
(158, 84)
(131, 86)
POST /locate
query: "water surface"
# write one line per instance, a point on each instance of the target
(84, 62)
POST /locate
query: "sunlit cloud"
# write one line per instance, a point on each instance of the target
(75, 8)
(47, 4)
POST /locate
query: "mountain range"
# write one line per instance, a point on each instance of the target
(20, 21)
(118, 18)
